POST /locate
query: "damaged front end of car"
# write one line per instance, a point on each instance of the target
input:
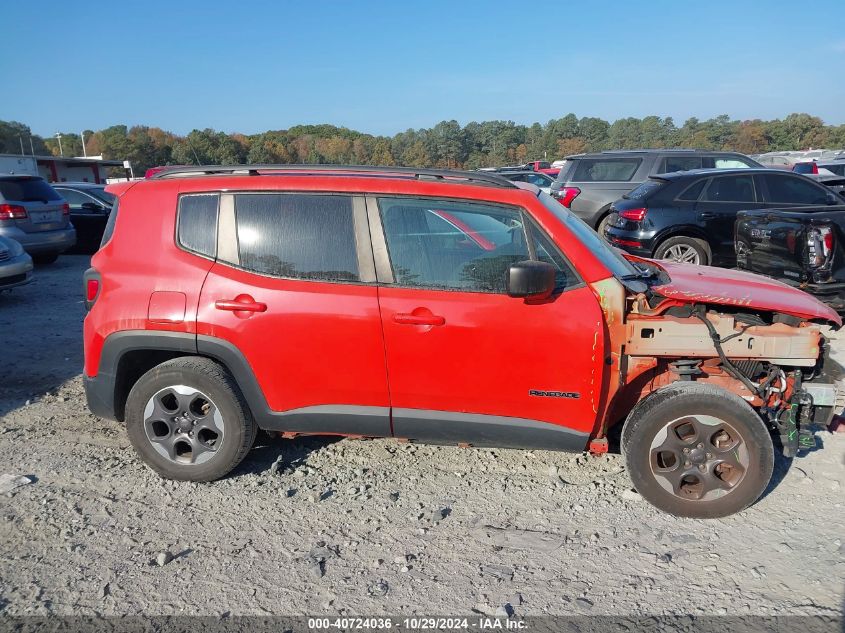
(754, 337)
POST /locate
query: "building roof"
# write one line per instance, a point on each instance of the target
(85, 160)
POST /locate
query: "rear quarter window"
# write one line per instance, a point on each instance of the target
(109, 230)
(606, 169)
(196, 228)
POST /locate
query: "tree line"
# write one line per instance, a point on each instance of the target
(447, 144)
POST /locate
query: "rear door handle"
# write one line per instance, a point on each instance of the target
(707, 215)
(418, 319)
(241, 303)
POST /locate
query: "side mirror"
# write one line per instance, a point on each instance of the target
(832, 198)
(531, 280)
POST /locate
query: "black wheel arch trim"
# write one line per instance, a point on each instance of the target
(440, 427)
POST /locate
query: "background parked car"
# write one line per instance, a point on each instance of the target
(15, 264)
(778, 160)
(835, 167)
(833, 182)
(803, 248)
(541, 180)
(689, 216)
(34, 214)
(589, 183)
(90, 205)
(541, 166)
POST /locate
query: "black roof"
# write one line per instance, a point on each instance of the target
(692, 173)
(638, 152)
(451, 176)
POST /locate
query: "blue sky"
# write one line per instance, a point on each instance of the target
(383, 67)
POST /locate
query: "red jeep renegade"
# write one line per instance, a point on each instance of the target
(438, 306)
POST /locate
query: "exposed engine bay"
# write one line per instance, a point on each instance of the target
(772, 361)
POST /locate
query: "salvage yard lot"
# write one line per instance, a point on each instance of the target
(320, 525)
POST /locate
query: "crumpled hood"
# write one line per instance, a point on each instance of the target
(741, 289)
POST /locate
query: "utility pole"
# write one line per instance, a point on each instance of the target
(31, 146)
(59, 136)
(20, 136)
(82, 136)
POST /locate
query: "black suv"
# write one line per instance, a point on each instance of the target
(690, 216)
(589, 183)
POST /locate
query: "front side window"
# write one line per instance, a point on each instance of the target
(456, 245)
(196, 227)
(787, 189)
(605, 169)
(452, 245)
(297, 236)
(729, 189)
(74, 198)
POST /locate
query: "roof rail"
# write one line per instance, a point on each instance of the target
(444, 175)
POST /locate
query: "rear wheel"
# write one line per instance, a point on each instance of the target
(600, 229)
(696, 450)
(686, 250)
(45, 258)
(187, 420)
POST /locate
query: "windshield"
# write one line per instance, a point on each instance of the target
(609, 256)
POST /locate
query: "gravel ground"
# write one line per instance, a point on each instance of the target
(368, 526)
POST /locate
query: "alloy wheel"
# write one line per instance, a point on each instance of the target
(698, 457)
(183, 425)
(683, 253)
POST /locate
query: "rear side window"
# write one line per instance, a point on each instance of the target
(27, 190)
(297, 236)
(605, 169)
(730, 189)
(197, 225)
(681, 163)
(783, 188)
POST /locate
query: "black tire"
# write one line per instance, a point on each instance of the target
(651, 469)
(45, 258)
(214, 383)
(684, 244)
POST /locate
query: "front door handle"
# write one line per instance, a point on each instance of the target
(418, 319)
(241, 303)
(706, 215)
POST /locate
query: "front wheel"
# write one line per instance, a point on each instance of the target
(187, 420)
(695, 450)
